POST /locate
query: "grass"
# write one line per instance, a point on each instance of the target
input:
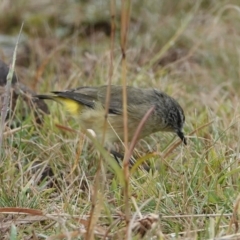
(189, 51)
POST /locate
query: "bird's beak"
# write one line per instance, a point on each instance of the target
(181, 135)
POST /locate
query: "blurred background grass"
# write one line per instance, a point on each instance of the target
(189, 49)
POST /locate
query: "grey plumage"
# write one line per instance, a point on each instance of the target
(166, 116)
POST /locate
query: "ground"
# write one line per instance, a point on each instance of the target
(65, 183)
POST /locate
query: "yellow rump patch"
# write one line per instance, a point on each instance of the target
(72, 106)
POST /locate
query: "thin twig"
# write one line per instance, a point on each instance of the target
(7, 92)
(137, 132)
(125, 13)
(108, 94)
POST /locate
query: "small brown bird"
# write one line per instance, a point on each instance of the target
(88, 103)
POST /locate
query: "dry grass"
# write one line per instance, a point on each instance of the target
(49, 186)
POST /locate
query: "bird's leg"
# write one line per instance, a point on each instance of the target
(119, 158)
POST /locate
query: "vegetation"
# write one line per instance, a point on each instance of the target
(65, 184)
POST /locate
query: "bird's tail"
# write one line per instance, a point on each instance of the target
(49, 97)
(70, 105)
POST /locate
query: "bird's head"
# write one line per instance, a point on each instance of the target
(176, 120)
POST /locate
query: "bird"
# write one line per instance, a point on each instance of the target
(88, 104)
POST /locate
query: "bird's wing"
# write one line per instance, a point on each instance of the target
(136, 98)
(86, 96)
(115, 105)
(89, 96)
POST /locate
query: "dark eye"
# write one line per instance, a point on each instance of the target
(171, 116)
(181, 118)
(175, 118)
